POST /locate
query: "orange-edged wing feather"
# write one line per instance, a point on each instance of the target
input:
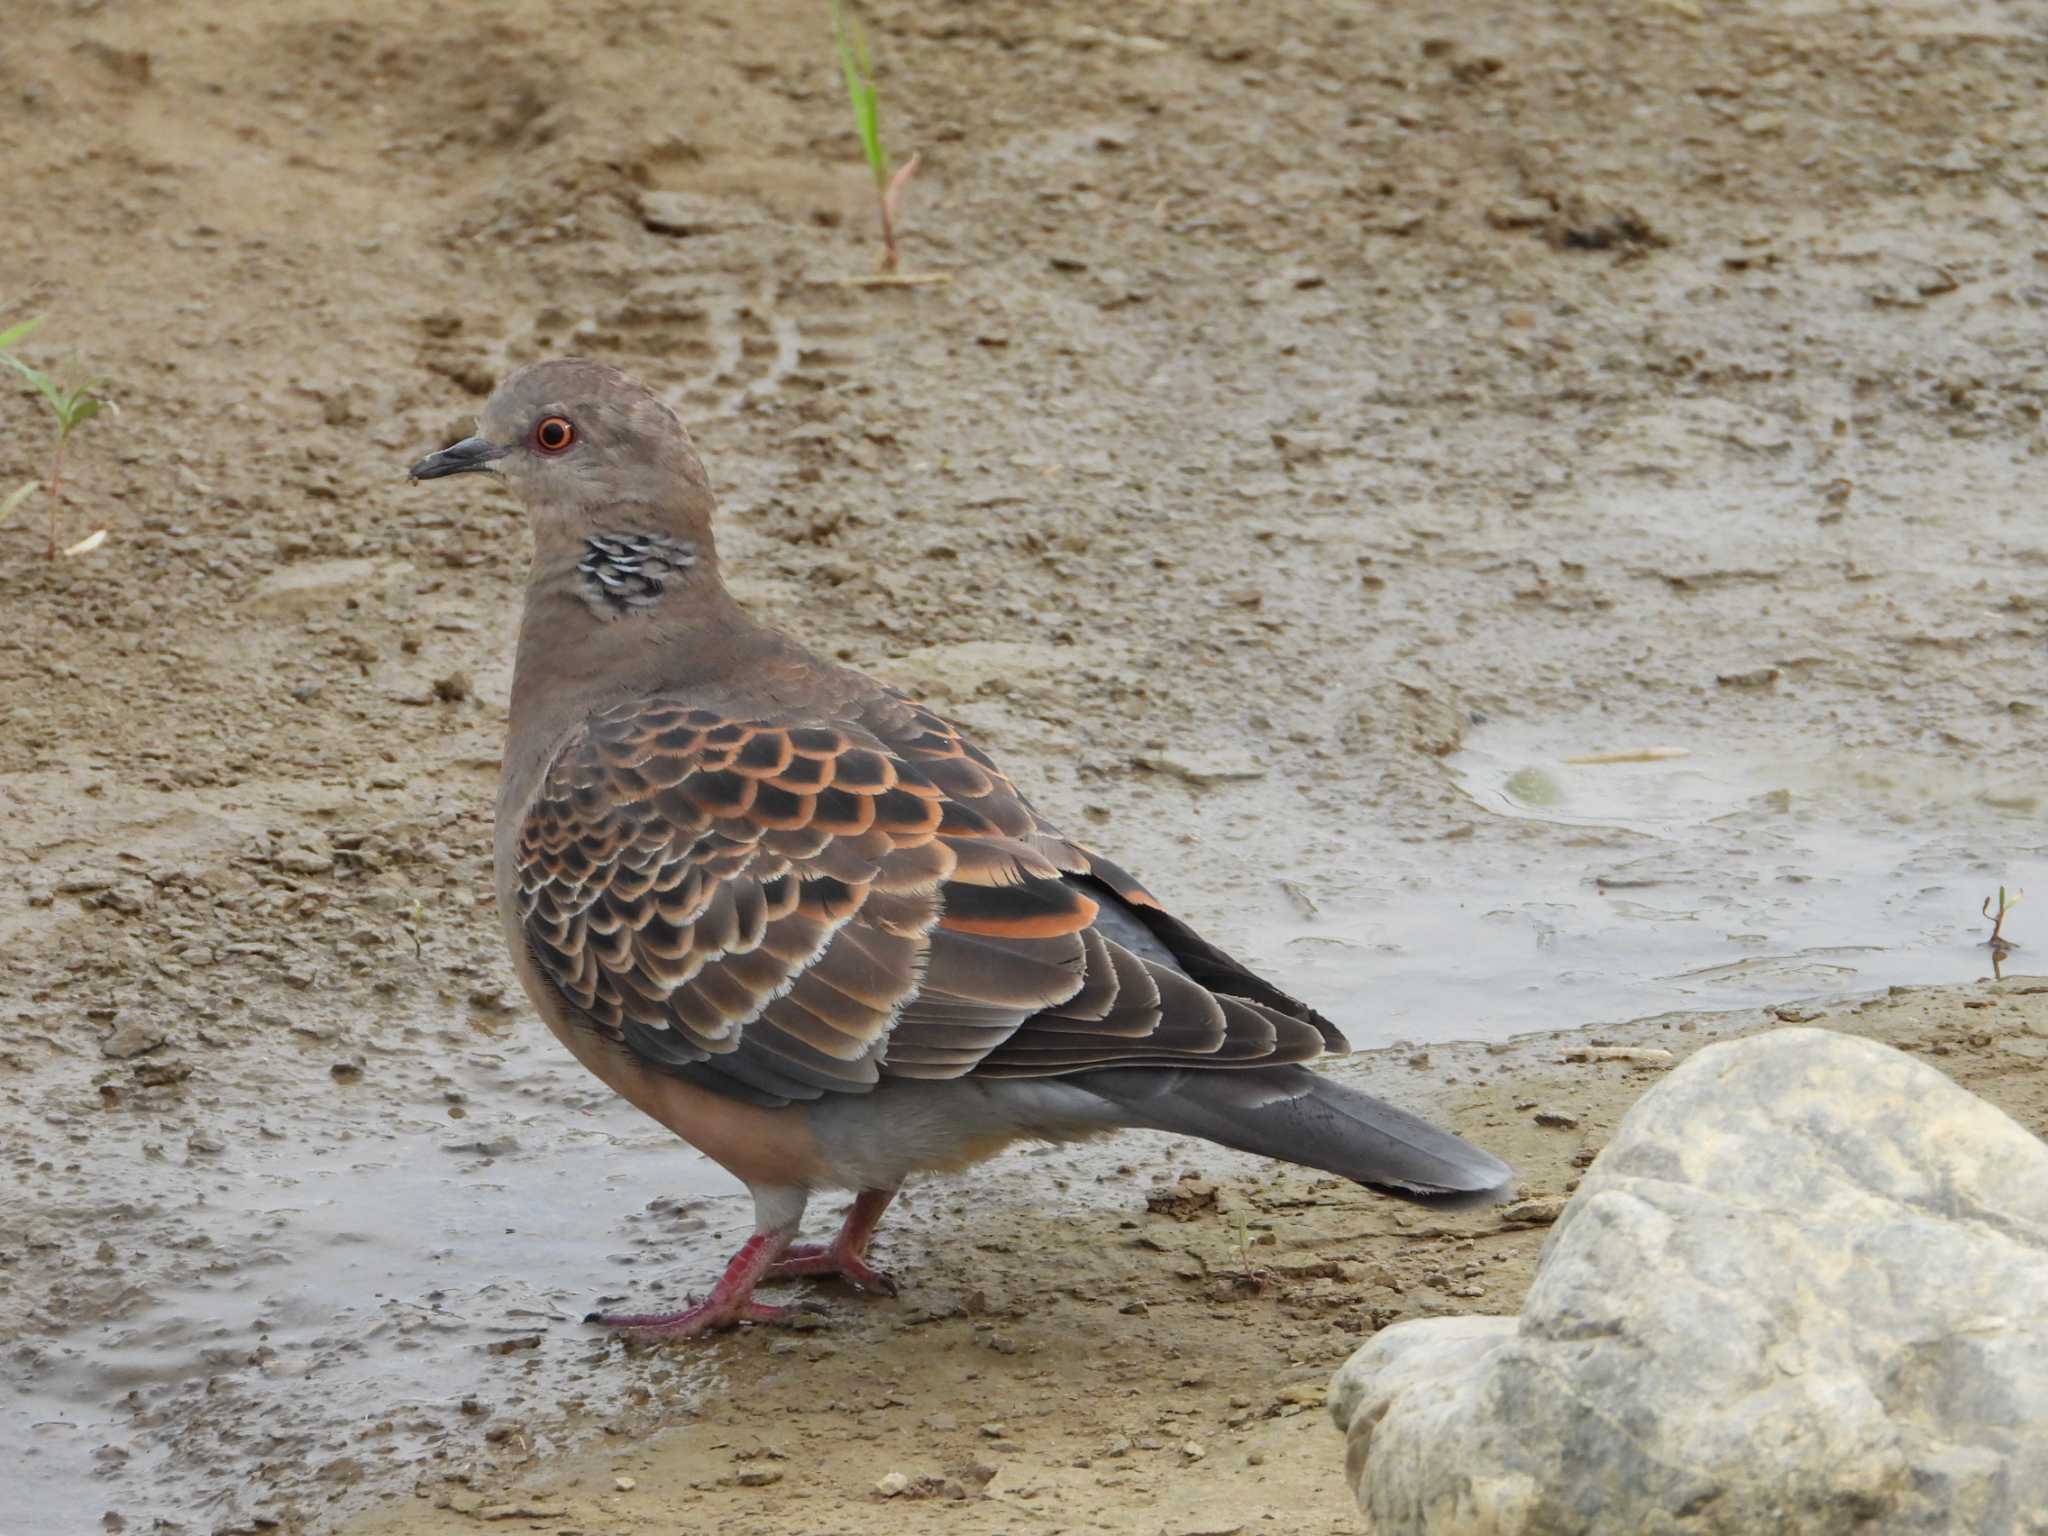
(780, 909)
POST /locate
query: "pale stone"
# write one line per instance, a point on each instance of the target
(1803, 1290)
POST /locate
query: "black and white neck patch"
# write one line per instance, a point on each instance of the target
(625, 573)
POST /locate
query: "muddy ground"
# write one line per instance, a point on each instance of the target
(1334, 414)
(1154, 1367)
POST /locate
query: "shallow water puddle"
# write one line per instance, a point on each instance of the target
(355, 1305)
(1701, 878)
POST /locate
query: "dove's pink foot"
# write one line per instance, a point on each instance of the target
(730, 1303)
(807, 1260)
(846, 1255)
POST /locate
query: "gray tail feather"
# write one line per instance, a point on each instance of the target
(1302, 1117)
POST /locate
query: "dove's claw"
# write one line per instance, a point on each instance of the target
(813, 1260)
(730, 1303)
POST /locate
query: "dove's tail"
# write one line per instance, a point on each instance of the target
(1302, 1117)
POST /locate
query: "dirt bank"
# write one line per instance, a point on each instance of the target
(1333, 417)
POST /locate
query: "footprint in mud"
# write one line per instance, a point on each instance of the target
(730, 347)
(754, 348)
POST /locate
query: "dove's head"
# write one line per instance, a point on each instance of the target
(579, 441)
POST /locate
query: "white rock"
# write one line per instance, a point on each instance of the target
(1803, 1290)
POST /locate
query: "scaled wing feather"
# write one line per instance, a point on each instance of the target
(784, 908)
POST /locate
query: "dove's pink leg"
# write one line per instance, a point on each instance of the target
(731, 1300)
(847, 1254)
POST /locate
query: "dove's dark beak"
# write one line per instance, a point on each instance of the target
(463, 458)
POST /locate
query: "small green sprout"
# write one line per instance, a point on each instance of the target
(1250, 1274)
(415, 926)
(72, 405)
(1998, 942)
(866, 100)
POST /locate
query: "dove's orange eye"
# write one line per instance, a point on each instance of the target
(553, 435)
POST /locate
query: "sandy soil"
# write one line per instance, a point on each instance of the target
(1322, 395)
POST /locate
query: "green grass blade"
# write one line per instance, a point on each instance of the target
(37, 380)
(871, 137)
(849, 58)
(859, 75)
(853, 83)
(14, 333)
(857, 40)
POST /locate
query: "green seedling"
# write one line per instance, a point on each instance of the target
(72, 406)
(415, 926)
(1998, 942)
(1250, 1274)
(859, 75)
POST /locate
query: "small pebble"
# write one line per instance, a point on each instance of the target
(889, 1484)
(130, 1038)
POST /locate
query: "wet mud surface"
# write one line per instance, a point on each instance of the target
(1335, 423)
